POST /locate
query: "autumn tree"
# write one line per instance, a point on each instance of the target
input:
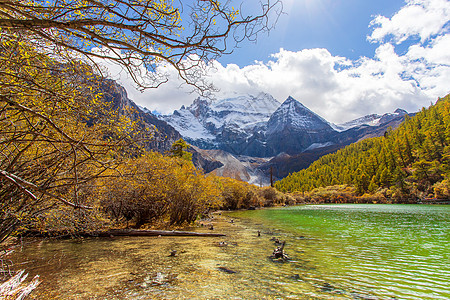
(57, 134)
(142, 36)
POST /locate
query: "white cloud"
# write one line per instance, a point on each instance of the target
(337, 88)
(422, 18)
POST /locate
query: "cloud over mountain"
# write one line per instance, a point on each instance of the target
(337, 88)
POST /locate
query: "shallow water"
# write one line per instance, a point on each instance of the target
(337, 252)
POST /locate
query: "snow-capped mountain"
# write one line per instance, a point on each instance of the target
(259, 126)
(370, 120)
(292, 128)
(294, 115)
(207, 123)
(243, 113)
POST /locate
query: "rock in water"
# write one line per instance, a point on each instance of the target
(226, 270)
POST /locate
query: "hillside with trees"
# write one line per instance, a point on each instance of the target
(407, 164)
(70, 160)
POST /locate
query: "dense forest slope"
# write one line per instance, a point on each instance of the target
(410, 162)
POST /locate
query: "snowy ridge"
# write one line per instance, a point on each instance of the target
(205, 119)
(243, 112)
(144, 109)
(369, 120)
(318, 145)
(188, 126)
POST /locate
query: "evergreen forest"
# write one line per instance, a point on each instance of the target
(410, 163)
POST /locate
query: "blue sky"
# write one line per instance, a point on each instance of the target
(341, 26)
(343, 59)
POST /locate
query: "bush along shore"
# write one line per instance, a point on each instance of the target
(157, 193)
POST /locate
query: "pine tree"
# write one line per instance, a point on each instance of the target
(178, 150)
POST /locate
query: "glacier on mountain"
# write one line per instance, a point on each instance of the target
(260, 126)
(206, 119)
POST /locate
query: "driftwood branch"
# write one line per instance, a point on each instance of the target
(134, 232)
(124, 232)
(278, 253)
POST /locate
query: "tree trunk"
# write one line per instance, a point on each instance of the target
(123, 232)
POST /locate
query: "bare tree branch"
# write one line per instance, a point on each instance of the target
(141, 34)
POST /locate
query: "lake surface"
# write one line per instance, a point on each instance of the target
(336, 251)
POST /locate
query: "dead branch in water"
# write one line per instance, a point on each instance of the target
(125, 232)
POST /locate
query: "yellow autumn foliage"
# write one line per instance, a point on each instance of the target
(56, 133)
(154, 187)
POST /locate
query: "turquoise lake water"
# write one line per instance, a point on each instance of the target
(337, 252)
(371, 251)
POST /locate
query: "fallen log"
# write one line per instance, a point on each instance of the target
(121, 232)
(278, 253)
(136, 232)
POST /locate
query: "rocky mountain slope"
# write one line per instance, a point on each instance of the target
(259, 126)
(164, 135)
(246, 136)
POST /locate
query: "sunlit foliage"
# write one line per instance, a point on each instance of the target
(154, 187)
(55, 133)
(139, 35)
(179, 148)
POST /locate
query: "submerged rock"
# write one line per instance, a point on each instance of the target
(159, 279)
(226, 270)
(326, 287)
(295, 277)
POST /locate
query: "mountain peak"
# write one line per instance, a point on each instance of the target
(296, 105)
(294, 115)
(400, 111)
(290, 99)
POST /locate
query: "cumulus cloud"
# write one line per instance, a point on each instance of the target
(422, 18)
(337, 88)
